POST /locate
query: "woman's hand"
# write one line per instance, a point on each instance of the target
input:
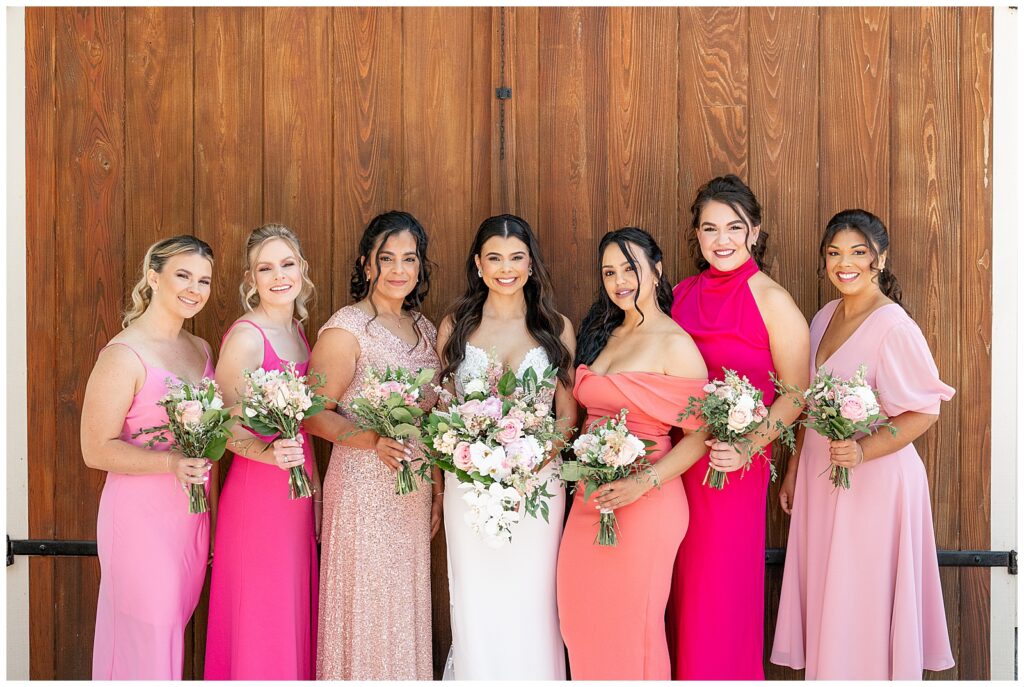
(288, 453)
(392, 452)
(725, 457)
(786, 491)
(188, 470)
(846, 453)
(624, 491)
(436, 508)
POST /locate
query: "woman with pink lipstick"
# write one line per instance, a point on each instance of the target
(263, 593)
(153, 552)
(742, 320)
(840, 618)
(375, 561)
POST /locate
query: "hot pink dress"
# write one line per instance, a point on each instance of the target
(716, 614)
(263, 591)
(611, 600)
(861, 598)
(152, 553)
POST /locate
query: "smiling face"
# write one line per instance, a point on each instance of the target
(504, 264)
(723, 236)
(624, 286)
(848, 258)
(183, 286)
(277, 272)
(399, 266)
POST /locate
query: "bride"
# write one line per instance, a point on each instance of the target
(503, 611)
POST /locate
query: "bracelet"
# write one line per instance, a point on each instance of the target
(318, 500)
(437, 493)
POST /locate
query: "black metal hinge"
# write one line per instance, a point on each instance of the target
(962, 559)
(503, 93)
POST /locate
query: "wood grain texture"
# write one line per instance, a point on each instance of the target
(484, 112)
(975, 307)
(368, 144)
(91, 289)
(573, 169)
(41, 316)
(713, 94)
(643, 126)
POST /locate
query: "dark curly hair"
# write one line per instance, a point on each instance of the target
(729, 190)
(878, 242)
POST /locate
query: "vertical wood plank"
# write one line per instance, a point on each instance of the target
(368, 144)
(855, 113)
(484, 78)
(90, 234)
(783, 172)
(41, 319)
(975, 449)
(573, 169)
(713, 103)
(925, 230)
(643, 126)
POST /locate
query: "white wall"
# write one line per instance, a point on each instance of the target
(15, 419)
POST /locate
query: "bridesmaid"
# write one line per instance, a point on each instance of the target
(740, 319)
(263, 592)
(611, 601)
(375, 569)
(152, 551)
(503, 610)
(838, 618)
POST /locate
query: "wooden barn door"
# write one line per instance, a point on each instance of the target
(147, 122)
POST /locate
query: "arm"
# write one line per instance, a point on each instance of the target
(909, 426)
(335, 355)
(567, 411)
(788, 487)
(113, 383)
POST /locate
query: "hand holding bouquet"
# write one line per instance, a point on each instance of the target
(275, 404)
(494, 442)
(838, 408)
(388, 407)
(607, 452)
(199, 425)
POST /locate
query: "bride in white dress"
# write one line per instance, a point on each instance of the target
(503, 611)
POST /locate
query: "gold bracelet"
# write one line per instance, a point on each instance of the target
(437, 493)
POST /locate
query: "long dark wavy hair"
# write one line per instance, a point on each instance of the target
(543, 321)
(377, 232)
(878, 243)
(604, 316)
(729, 190)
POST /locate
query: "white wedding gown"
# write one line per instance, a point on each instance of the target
(503, 610)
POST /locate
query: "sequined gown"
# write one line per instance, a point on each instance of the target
(375, 545)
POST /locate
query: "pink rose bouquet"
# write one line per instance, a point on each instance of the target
(199, 425)
(607, 452)
(274, 404)
(494, 440)
(839, 408)
(389, 406)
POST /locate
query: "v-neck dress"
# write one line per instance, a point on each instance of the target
(861, 598)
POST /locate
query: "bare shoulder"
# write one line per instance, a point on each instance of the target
(568, 335)
(444, 329)
(119, 356)
(772, 298)
(681, 355)
(199, 342)
(243, 341)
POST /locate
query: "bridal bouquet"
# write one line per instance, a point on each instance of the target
(199, 425)
(388, 407)
(494, 442)
(730, 409)
(607, 452)
(839, 408)
(274, 404)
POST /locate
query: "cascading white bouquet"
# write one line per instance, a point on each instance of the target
(839, 408)
(494, 442)
(389, 407)
(199, 426)
(607, 452)
(274, 404)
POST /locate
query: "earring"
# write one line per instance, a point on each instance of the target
(529, 272)
(479, 273)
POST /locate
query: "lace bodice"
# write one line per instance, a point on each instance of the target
(475, 364)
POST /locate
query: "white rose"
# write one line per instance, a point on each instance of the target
(476, 386)
(745, 401)
(739, 418)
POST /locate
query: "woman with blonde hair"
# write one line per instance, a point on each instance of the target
(152, 551)
(263, 593)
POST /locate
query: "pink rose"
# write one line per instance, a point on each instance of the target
(491, 407)
(709, 388)
(739, 418)
(190, 413)
(853, 408)
(463, 459)
(509, 429)
(760, 412)
(473, 407)
(392, 387)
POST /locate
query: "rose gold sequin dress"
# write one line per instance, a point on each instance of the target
(375, 545)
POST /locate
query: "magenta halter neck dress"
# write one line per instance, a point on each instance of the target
(718, 635)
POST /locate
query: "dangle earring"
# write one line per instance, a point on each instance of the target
(479, 273)
(529, 272)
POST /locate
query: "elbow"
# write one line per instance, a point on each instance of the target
(91, 458)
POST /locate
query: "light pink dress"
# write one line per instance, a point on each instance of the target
(152, 553)
(861, 598)
(375, 556)
(263, 588)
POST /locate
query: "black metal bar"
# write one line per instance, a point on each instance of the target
(48, 547)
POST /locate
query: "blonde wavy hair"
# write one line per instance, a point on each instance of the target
(257, 239)
(156, 258)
